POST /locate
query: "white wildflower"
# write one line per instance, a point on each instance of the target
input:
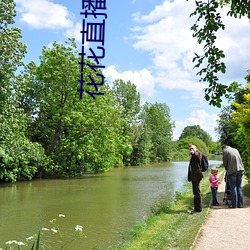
(20, 243)
(29, 238)
(78, 228)
(45, 229)
(54, 230)
(10, 242)
(61, 215)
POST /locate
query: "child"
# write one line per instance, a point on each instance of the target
(214, 185)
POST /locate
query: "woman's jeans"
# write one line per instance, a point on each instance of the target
(235, 182)
(214, 196)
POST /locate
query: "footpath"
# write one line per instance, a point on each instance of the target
(225, 228)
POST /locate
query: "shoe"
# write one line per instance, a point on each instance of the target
(194, 212)
(231, 207)
(217, 204)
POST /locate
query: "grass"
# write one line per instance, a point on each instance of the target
(170, 226)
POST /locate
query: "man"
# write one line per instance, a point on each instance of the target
(235, 170)
(195, 175)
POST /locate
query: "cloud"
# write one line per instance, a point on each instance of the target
(165, 33)
(143, 80)
(198, 117)
(44, 14)
(75, 32)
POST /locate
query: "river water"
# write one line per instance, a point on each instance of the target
(104, 204)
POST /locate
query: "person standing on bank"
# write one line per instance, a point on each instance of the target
(235, 169)
(195, 175)
(214, 181)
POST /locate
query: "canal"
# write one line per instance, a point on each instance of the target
(106, 204)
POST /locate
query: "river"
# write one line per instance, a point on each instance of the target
(104, 204)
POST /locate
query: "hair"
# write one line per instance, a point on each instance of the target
(214, 170)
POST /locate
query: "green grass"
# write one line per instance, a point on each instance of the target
(170, 226)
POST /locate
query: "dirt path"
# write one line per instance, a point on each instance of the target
(225, 228)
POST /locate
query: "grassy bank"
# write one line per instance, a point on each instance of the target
(170, 227)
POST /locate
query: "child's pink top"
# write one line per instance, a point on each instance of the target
(214, 181)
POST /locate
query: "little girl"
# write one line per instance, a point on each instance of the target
(214, 185)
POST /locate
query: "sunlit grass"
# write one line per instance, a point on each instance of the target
(170, 226)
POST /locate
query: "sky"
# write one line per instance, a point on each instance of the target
(147, 42)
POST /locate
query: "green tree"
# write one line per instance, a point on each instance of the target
(79, 135)
(157, 122)
(227, 127)
(128, 100)
(183, 144)
(207, 25)
(20, 158)
(196, 131)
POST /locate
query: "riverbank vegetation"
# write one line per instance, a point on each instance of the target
(170, 226)
(48, 131)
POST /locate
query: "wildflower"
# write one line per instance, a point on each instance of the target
(20, 243)
(45, 229)
(61, 215)
(10, 242)
(54, 230)
(29, 238)
(78, 228)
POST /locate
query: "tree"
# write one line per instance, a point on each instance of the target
(157, 122)
(227, 127)
(128, 100)
(183, 144)
(208, 23)
(20, 158)
(79, 135)
(196, 131)
(242, 117)
(12, 50)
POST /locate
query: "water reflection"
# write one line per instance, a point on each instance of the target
(105, 204)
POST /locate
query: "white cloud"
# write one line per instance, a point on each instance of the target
(165, 33)
(75, 32)
(143, 80)
(208, 122)
(44, 14)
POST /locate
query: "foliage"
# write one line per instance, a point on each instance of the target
(12, 50)
(233, 124)
(78, 135)
(215, 148)
(196, 131)
(127, 98)
(201, 146)
(205, 28)
(227, 127)
(241, 115)
(21, 158)
(156, 120)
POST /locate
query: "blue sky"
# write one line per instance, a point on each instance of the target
(148, 42)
